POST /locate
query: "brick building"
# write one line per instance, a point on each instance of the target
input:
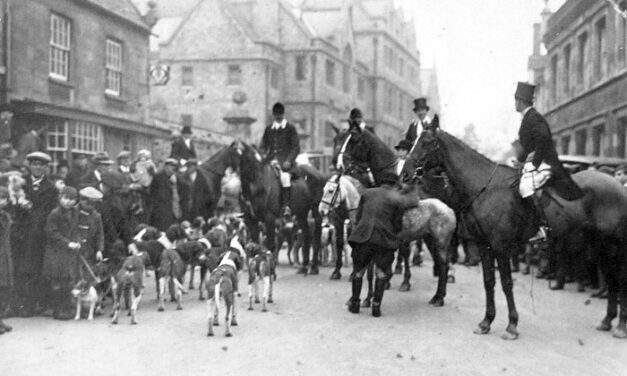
(584, 77)
(79, 78)
(230, 60)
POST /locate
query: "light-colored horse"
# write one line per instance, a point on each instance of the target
(431, 220)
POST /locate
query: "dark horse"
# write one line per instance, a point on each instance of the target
(207, 187)
(497, 217)
(260, 201)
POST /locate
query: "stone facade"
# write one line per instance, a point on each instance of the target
(72, 107)
(584, 80)
(231, 60)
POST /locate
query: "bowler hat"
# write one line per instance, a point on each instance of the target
(123, 154)
(172, 161)
(186, 129)
(39, 156)
(278, 109)
(420, 104)
(524, 91)
(91, 193)
(404, 145)
(101, 158)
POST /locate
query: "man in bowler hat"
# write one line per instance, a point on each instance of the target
(281, 147)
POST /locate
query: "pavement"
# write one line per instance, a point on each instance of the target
(308, 331)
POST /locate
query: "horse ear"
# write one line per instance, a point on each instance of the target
(335, 129)
(435, 123)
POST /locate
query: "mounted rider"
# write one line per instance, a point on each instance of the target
(281, 147)
(538, 154)
(421, 122)
(356, 127)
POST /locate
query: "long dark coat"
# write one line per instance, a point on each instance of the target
(162, 214)
(6, 261)
(60, 261)
(181, 151)
(28, 236)
(535, 137)
(380, 217)
(282, 144)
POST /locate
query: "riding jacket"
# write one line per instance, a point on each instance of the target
(281, 143)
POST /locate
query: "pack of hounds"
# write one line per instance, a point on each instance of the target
(217, 247)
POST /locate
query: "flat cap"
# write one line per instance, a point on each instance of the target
(39, 156)
(172, 161)
(91, 193)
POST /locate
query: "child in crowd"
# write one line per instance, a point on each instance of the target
(621, 174)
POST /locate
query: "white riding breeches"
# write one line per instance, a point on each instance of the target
(533, 179)
(286, 179)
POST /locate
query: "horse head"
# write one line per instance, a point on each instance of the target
(425, 156)
(330, 196)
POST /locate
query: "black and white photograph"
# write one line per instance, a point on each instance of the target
(313, 187)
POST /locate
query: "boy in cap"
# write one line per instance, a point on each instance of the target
(375, 236)
(281, 147)
(539, 156)
(6, 261)
(29, 235)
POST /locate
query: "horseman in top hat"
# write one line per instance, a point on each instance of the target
(538, 154)
(281, 147)
(183, 147)
(422, 120)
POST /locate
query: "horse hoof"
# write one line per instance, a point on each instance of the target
(557, 286)
(264, 310)
(191, 288)
(302, 270)
(507, 336)
(201, 298)
(160, 309)
(250, 308)
(209, 334)
(335, 275)
(179, 308)
(314, 270)
(114, 322)
(233, 322)
(484, 328)
(133, 322)
(365, 304)
(604, 326)
(450, 279)
(228, 335)
(405, 286)
(438, 303)
(270, 300)
(257, 301)
(215, 323)
(620, 333)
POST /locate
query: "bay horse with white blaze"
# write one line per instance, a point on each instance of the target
(260, 202)
(497, 216)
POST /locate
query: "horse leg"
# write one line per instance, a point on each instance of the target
(612, 284)
(398, 269)
(339, 245)
(403, 253)
(306, 244)
(315, 242)
(489, 280)
(440, 254)
(507, 283)
(370, 276)
(417, 259)
(621, 329)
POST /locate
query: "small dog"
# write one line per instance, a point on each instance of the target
(130, 278)
(86, 295)
(222, 283)
(328, 240)
(261, 269)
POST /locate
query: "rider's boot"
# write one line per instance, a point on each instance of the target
(379, 288)
(353, 304)
(286, 193)
(543, 225)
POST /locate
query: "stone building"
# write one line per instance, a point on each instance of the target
(79, 78)
(584, 80)
(230, 60)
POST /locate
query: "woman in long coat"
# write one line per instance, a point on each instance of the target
(6, 263)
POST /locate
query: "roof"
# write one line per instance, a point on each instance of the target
(168, 8)
(122, 8)
(566, 15)
(322, 23)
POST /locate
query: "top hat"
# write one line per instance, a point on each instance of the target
(186, 129)
(420, 104)
(39, 156)
(404, 145)
(101, 158)
(278, 109)
(524, 91)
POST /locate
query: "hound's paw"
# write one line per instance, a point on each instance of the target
(228, 335)
(160, 309)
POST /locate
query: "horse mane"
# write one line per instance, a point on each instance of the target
(461, 144)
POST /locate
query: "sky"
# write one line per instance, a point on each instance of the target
(480, 50)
